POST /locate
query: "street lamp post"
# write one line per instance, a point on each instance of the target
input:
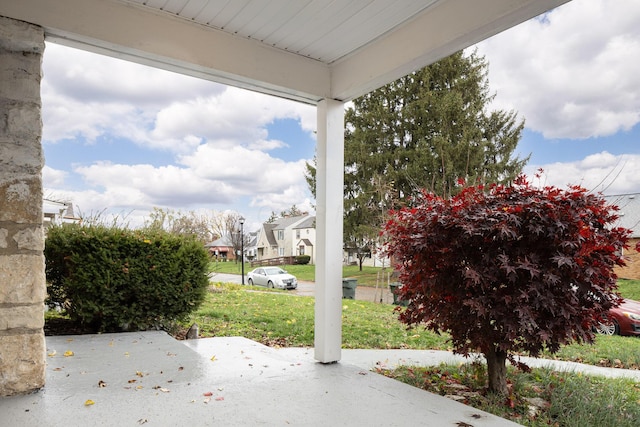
(242, 246)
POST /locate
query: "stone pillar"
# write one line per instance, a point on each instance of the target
(22, 278)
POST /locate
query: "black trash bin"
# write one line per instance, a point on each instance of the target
(349, 288)
(395, 287)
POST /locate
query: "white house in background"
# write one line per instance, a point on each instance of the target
(251, 246)
(375, 258)
(277, 239)
(304, 234)
(55, 212)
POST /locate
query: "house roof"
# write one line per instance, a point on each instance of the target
(305, 242)
(222, 242)
(268, 231)
(629, 213)
(252, 239)
(302, 50)
(307, 223)
(284, 223)
(53, 208)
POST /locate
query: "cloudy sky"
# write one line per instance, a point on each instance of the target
(126, 138)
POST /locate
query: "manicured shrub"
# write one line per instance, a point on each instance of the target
(508, 269)
(303, 259)
(110, 279)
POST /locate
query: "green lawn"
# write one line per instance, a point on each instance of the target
(629, 288)
(280, 318)
(538, 398)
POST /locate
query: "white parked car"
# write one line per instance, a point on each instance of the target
(272, 277)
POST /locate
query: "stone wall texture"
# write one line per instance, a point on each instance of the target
(22, 278)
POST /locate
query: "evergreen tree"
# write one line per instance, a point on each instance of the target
(428, 130)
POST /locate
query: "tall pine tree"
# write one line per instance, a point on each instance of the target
(427, 130)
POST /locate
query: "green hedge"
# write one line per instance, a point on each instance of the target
(303, 259)
(111, 279)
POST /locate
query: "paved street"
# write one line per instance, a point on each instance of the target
(363, 293)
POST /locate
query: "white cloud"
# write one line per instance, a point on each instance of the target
(252, 172)
(217, 134)
(211, 177)
(283, 201)
(53, 177)
(233, 117)
(93, 78)
(601, 172)
(573, 73)
(87, 96)
(146, 185)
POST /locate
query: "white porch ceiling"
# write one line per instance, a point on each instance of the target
(318, 29)
(304, 50)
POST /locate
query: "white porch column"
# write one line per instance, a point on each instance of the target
(329, 199)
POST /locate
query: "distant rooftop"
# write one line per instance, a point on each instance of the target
(629, 212)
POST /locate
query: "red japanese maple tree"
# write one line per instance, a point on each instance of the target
(507, 268)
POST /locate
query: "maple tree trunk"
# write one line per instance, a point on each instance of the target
(497, 371)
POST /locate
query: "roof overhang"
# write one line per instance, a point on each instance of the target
(356, 56)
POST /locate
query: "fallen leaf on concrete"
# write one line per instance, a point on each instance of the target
(102, 384)
(89, 402)
(219, 398)
(68, 353)
(213, 358)
(207, 394)
(51, 354)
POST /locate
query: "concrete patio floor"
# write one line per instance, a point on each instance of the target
(148, 378)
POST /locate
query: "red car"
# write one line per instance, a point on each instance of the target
(622, 320)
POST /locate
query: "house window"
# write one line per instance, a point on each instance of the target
(297, 234)
(301, 250)
(280, 234)
(281, 251)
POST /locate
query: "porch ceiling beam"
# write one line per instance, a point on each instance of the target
(161, 40)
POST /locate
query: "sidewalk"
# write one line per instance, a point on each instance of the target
(389, 359)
